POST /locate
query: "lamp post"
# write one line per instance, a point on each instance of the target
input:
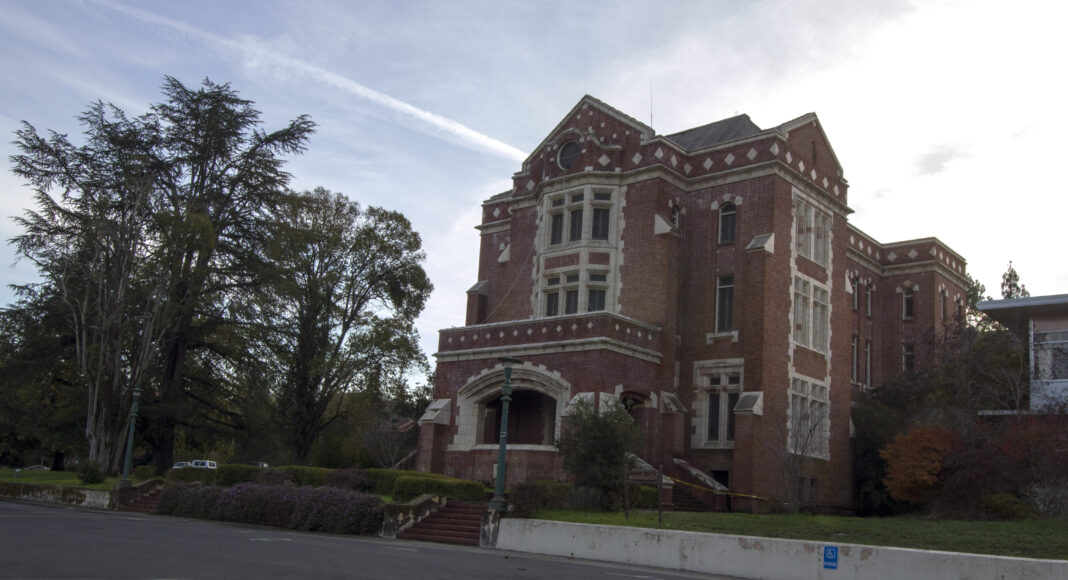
(499, 503)
(125, 481)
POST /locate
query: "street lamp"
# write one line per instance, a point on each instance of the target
(499, 503)
(125, 481)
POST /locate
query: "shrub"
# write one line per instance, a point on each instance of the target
(914, 461)
(408, 487)
(90, 472)
(190, 501)
(351, 478)
(144, 472)
(594, 445)
(325, 509)
(383, 479)
(271, 477)
(230, 474)
(192, 475)
(644, 497)
(1004, 506)
(527, 498)
(337, 511)
(303, 475)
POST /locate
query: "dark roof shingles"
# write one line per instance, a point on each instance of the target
(711, 134)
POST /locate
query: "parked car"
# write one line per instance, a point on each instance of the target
(181, 465)
(38, 468)
(204, 464)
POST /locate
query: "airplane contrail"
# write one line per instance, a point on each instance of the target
(418, 119)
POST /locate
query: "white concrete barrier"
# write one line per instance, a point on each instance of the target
(762, 558)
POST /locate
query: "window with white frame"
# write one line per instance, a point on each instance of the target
(573, 291)
(812, 314)
(578, 216)
(908, 304)
(813, 235)
(809, 430)
(867, 362)
(1050, 355)
(724, 303)
(854, 373)
(720, 387)
(728, 215)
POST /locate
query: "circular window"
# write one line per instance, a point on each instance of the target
(569, 155)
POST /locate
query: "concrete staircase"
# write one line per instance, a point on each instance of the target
(459, 522)
(146, 504)
(684, 501)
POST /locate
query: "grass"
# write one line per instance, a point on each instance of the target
(1046, 539)
(64, 478)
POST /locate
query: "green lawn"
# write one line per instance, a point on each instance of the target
(1026, 539)
(66, 478)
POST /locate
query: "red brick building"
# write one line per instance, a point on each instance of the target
(709, 279)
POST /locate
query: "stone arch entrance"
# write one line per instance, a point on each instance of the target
(538, 400)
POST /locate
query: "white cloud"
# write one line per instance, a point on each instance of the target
(257, 52)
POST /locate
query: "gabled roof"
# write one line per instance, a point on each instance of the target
(642, 129)
(738, 127)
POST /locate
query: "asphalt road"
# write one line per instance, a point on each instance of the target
(46, 541)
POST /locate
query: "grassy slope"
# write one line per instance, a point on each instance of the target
(66, 478)
(1026, 539)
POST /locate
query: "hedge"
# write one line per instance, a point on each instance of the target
(408, 487)
(192, 475)
(303, 475)
(529, 497)
(326, 509)
(234, 473)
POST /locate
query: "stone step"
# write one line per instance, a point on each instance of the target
(456, 523)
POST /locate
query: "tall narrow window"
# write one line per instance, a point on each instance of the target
(595, 300)
(942, 306)
(802, 319)
(856, 296)
(867, 300)
(813, 233)
(571, 302)
(556, 233)
(812, 315)
(713, 417)
(854, 371)
(552, 304)
(724, 303)
(821, 319)
(867, 362)
(576, 225)
(727, 220)
(908, 358)
(723, 387)
(600, 223)
(907, 303)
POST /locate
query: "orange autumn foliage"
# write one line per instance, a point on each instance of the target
(914, 461)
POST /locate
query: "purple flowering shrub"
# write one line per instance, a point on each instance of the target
(350, 478)
(326, 509)
(189, 501)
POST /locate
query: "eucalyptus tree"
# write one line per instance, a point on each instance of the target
(340, 312)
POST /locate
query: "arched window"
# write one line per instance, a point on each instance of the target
(727, 221)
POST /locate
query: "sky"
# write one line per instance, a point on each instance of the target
(948, 117)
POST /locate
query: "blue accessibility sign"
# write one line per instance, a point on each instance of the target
(830, 557)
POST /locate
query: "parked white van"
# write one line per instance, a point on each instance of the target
(204, 464)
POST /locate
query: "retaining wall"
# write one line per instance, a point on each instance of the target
(94, 498)
(762, 558)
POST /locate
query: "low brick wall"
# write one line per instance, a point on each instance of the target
(95, 498)
(763, 558)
